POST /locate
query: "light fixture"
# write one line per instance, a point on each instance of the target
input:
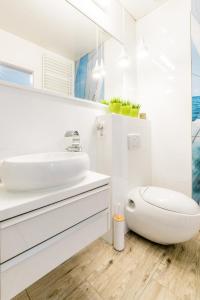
(142, 51)
(96, 71)
(99, 69)
(102, 69)
(142, 54)
(96, 74)
(124, 61)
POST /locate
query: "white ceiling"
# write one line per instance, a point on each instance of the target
(140, 8)
(52, 24)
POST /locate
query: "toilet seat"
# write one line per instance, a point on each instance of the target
(169, 200)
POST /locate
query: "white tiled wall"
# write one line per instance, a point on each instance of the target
(32, 121)
(164, 89)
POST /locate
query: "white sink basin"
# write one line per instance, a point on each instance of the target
(43, 170)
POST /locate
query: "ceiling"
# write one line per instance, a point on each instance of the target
(140, 8)
(49, 24)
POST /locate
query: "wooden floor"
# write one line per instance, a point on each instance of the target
(143, 271)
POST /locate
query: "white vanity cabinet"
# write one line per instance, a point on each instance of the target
(41, 230)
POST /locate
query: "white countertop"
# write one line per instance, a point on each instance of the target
(16, 203)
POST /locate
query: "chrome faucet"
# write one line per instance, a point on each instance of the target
(75, 141)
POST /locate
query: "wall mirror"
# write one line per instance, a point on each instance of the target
(50, 45)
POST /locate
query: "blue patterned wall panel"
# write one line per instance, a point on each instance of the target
(195, 120)
(86, 86)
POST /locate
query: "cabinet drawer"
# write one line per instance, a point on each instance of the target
(31, 265)
(26, 231)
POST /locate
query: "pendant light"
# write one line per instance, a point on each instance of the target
(124, 61)
(96, 71)
(142, 51)
(99, 69)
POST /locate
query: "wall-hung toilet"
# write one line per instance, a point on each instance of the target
(162, 215)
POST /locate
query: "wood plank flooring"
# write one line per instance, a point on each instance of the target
(143, 271)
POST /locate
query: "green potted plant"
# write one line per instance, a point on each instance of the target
(134, 111)
(125, 108)
(105, 102)
(115, 105)
(128, 107)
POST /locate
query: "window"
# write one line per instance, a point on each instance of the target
(16, 75)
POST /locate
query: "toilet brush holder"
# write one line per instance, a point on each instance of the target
(118, 230)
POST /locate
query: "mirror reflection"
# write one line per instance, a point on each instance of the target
(58, 50)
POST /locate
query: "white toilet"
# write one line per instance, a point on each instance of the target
(161, 215)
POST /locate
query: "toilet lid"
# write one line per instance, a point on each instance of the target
(170, 200)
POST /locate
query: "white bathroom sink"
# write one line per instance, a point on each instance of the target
(43, 170)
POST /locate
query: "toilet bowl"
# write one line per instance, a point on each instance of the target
(161, 215)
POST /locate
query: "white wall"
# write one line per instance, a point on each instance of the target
(19, 52)
(118, 81)
(33, 122)
(164, 89)
(130, 74)
(128, 168)
(114, 75)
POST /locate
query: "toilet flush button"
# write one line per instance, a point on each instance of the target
(133, 141)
